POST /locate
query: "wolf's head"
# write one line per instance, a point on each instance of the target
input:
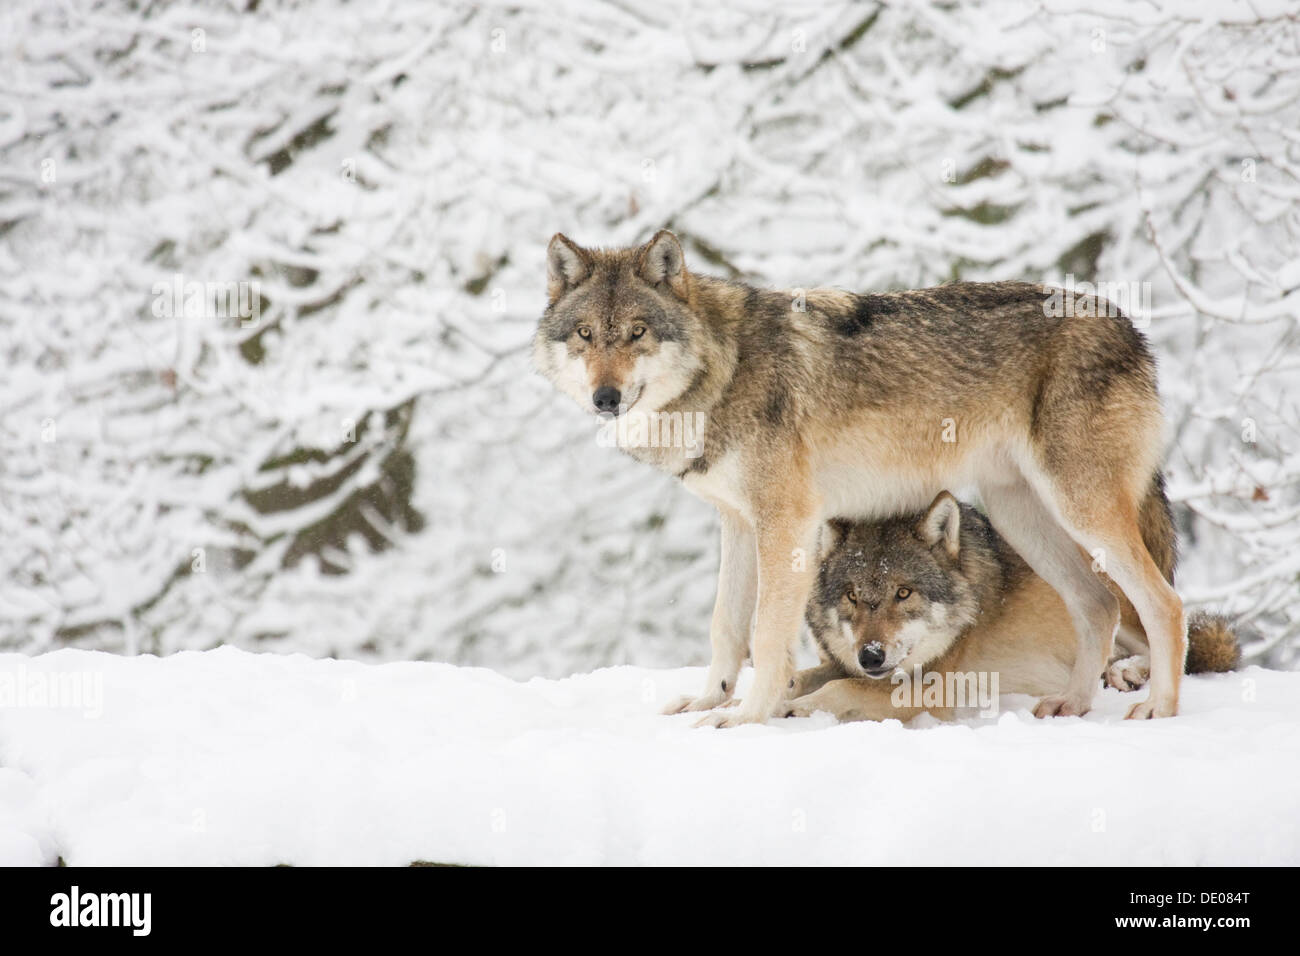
(618, 332)
(898, 593)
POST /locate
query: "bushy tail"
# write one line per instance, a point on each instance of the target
(1212, 644)
(1156, 522)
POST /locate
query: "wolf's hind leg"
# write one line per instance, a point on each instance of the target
(1129, 564)
(733, 615)
(1019, 515)
(1096, 510)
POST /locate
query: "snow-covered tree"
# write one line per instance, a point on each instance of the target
(268, 272)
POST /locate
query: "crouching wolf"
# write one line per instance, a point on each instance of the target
(940, 592)
(828, 403)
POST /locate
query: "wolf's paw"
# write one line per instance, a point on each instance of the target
(688, 703)
(732, 718)
(1061, 705)
(1131, 673)
(797, 708)
(1149, 708)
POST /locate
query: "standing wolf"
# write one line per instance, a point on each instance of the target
(862, 406)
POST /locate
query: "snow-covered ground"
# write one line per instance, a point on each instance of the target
(227, 757)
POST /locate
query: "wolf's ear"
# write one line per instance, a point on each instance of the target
(661, 260)
(942, 523)
(567, 264)
(833, 534)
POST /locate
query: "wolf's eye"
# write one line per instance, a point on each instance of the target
(584, 333)
(637, 331)
(852, 595)
(903, 594)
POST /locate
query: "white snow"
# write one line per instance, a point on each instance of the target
(228, 757)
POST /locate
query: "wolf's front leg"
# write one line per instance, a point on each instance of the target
(858, 698)
(733, 615)
(814, 678)
(786, 566)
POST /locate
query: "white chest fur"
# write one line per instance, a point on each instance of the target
(722, 485)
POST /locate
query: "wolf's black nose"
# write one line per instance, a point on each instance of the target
(606, 399)
(871, 657)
